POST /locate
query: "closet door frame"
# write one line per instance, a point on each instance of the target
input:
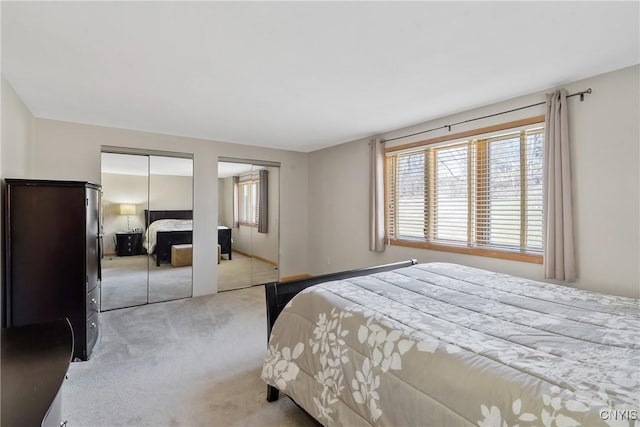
(147, 153)
(265, 163)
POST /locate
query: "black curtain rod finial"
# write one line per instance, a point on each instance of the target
(484, 117)
(582, 94)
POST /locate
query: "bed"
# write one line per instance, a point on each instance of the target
(441, 344)
(166, 228)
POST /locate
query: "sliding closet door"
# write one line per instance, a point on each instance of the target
(264, 233)
(125, 183)
(171, 198)
(248, 211)
(234, 262)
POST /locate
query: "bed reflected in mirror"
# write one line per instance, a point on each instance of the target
(147, 215)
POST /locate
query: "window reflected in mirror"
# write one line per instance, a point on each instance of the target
(248, 213)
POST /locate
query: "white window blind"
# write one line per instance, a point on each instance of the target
(249, 203)
(502, 192)
(533, 167)
(483, 192)
(451, 194)
(410, 204)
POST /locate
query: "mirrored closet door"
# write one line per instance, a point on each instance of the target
(147, 210)
(248, 211)
(170, 228)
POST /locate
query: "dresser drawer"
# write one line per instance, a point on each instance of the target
(93, 302)
(92, 332)
(128, 244)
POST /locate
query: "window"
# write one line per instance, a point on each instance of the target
(248, 202)
(478, 192)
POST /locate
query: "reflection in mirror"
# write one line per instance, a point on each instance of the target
(247, 194)
(169, 234)
(124, 265)
(264, 233)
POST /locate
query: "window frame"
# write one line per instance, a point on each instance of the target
(253, 204)
(481, 134)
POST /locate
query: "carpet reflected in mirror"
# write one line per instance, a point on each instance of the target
(243, 271)
(124, 281)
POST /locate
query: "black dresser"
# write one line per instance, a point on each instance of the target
(35, 360)
(128, 243)
(52, 256)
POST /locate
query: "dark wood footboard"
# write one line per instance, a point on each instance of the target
(166, 239)
(278, 294)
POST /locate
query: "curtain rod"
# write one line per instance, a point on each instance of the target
(581, 94)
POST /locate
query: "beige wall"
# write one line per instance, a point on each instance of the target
(17, 124)
(169, 192)
(16, 146)
(66, 150)
(227, 201)
(605, 138)
(221, 211)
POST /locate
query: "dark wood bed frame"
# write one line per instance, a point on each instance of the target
(165, 239)
(278, 294)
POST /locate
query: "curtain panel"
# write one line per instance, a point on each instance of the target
(263, 205)
(376, 195)
(559, 251)
(236, 201)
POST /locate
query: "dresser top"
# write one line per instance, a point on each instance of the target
(51, 183)
(35, 359)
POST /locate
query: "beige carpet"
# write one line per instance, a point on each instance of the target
(243, 271)
(124, 281)
(192, 362)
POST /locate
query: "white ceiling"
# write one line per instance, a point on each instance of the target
(300, 75)
(226, 169)
(142, 165)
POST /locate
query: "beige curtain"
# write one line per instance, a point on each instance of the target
(236, 201)
(263, 204)
(376, 195)
(559, 256)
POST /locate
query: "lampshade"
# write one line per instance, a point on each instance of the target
(127, 209)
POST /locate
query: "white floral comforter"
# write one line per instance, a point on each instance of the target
(446, 345)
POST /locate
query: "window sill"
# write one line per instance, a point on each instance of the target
(248, 224)
(492, 253)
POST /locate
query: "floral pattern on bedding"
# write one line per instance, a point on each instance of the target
(442, 344)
